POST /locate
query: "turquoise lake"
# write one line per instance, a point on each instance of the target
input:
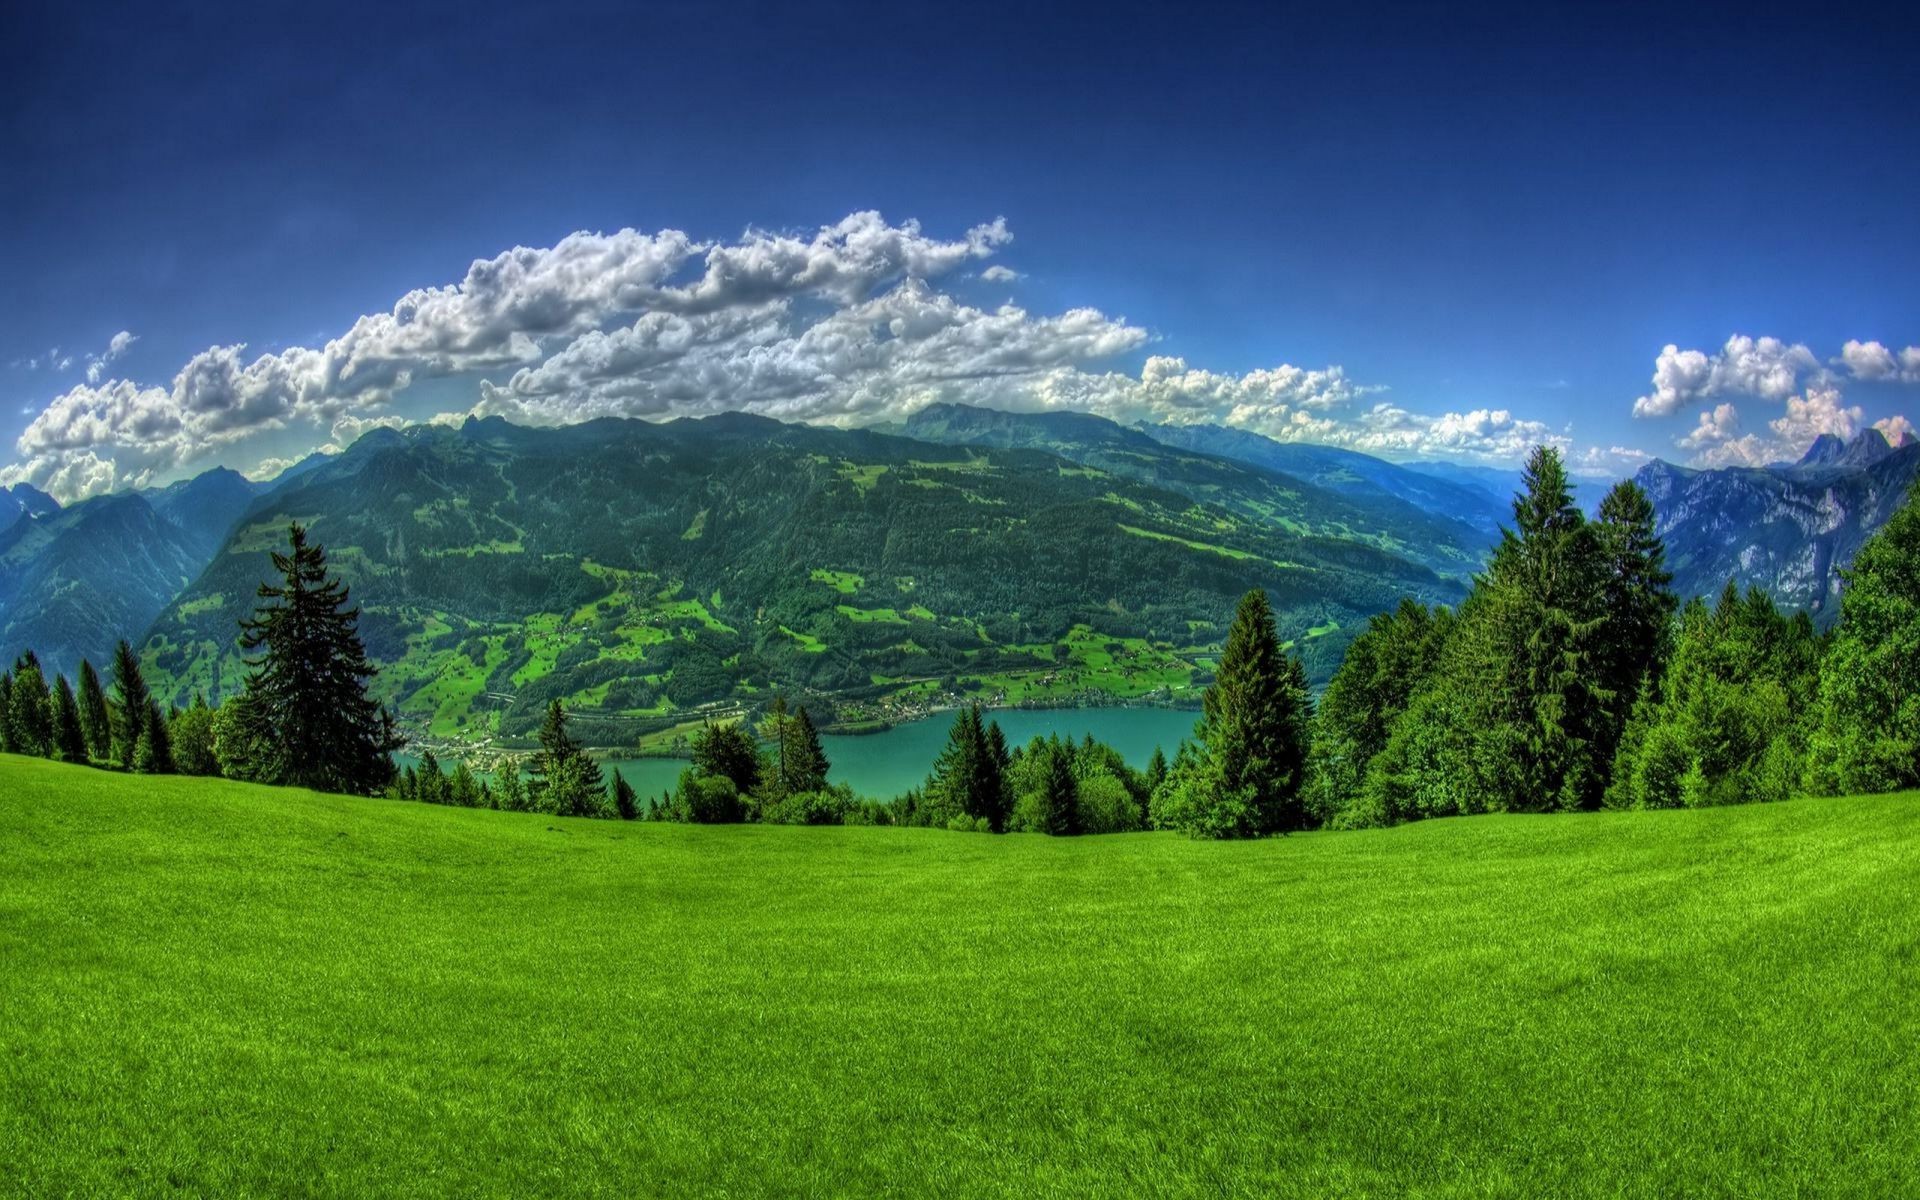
(883, 765)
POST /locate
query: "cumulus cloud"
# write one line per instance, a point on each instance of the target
(117, 345)
(1873, 362)
(846, 324)
(1765, 367)
(1717, 439)
(1897, 429)
(999, 273)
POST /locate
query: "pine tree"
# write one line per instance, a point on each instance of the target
(1868, 738)
(463, 790)
(625, 803)
(157, 741)
(429, 782)
(6, 712)
(130, 705)
(30, 709)
(568, 783)
(968, 778)
(308, 691)
(512, 789)
(1057, 810)
(1156, 770)
(1252, 734)
(803, 760)
(69, 741)
(407, 787)
(1638, 604)
(95, 720)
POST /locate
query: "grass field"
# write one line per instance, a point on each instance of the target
(212, 988)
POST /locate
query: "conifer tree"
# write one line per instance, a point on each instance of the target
(130, 705)
(803, 760)
(512, 790)
(968, 778)
(6, 712)
(626, 805)
(1868, 736)
(1638, 604)
(157, 740)
(1057, 807)
(69, 741)
(429, 782)
(568, 782)
(29, 709)
(463, 790)
(1156, 770)
(407, 787)
(95, 721)
(307, 692)
(1247, 771)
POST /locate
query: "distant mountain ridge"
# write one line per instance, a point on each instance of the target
(1786, 528)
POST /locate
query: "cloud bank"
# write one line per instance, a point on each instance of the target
(856, 322)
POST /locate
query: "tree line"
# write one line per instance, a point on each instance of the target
(1569, 679)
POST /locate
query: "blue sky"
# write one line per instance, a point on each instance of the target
(1394, 227)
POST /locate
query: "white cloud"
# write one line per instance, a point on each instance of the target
(117, 345)
(1766, 367)
(1717, 440)
(1873, 362)
(1898, 430)
(998, 273)
(845, 325)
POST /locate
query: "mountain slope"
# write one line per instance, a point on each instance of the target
(1786, 529)
(1254, 490)
(1346, 472)
(75, 581)
(22, 501)
(643, 570)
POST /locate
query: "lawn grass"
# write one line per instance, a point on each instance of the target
(215, 988)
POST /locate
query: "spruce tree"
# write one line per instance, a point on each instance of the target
(625, 803)
(429, 782)
(95, 722)
(512, 789)
(30, 709)
(69, 741)
(1057, 807)
(463, 790)
(6, 712)
(307, 691)
(1253, 731)
(969, 777)
(804, 761)
(568, 782)
(1868, 736)
(158, 741)
(1638, 604)
(130, 705)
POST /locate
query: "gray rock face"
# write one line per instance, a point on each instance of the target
(1787, 528)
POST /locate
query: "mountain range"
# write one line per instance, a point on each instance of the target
(648, 572)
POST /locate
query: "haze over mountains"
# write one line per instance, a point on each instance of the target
(641, 570)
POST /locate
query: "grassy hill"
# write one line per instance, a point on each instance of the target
(223, 989)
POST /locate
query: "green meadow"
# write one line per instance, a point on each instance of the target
(219, 989)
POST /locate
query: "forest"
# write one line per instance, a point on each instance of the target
(1568, 679)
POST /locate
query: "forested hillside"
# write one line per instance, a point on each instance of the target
(641, 571)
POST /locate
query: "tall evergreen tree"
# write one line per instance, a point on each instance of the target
(130, 705)
(69, 741)
(1868, 739)
(969, 777)
(1057, 807)
(512, 789)
(804, 761)
(1396, 654)
(157, 740)
(6, 712)
(568, 782)
(429, 781)
(95, 721)
(626, 805)
(30, 709)
(1247, 774)
(307, 691)
(463, 790)
(1638, 604)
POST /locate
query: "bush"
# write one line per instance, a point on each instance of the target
(962, 823)
(708, 799)
(1106, 806)
(829, 806)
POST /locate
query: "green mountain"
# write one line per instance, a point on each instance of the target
(1253, 489)
(1348, 473)
(651, 572)
(73, 581)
